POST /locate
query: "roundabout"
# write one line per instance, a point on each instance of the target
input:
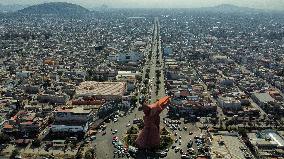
(147, 139)
(166, 139)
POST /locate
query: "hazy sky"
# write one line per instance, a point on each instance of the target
(264, 4)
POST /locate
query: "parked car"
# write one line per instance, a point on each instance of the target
(93, 138)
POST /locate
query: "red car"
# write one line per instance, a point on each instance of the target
(115, 138)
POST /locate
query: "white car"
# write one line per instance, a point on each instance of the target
(190, 149)
(115, 119)
(177, 149)
(163, 154)
(127, 125)
(93, 138)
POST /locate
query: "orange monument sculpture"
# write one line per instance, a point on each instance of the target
(149, 137)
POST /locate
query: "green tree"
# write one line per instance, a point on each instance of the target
(4, 138)
(132, 130)
(158, 81)
(147, 75)
(164, 131)
(133, 100)
(14, 153)
(90, 154)
(79, 155)
(36, 142)
(243, 132)
(139, 79)
(146, 82)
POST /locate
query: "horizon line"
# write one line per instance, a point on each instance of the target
(112, 7)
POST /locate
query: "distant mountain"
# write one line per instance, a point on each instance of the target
(57, 8)
(228, 8)
(11, 8)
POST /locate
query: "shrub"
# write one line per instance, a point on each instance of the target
(36, 142)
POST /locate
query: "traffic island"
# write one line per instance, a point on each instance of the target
(166, 140)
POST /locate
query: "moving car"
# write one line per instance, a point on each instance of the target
(114, 132)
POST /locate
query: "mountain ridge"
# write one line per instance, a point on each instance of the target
(228, 8)
(57, 8)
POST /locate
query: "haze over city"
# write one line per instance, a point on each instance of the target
(260, 4)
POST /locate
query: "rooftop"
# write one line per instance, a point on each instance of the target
(228, 145)
(101, 88)
(263, 97)
(266, 137)
(80, 110)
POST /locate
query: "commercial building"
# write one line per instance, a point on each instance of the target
(130, 77)
(228, 145)
(71, 114)
(229, 103)
(267, 143)
(126, 57)
(102, 90)
(53, 98)
(262, 98)
(71, 119)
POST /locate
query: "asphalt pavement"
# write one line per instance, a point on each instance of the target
(104, 147)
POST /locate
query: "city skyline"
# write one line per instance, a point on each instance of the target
(259, 4)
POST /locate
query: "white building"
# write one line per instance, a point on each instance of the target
(229, 103)
(68, 128)
(71, 120)
(126, 57)
(130, 77)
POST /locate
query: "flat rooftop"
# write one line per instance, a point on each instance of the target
(128, 73)
(79, 110)
(228, 145)
(267, 137)
(90, 88)
(264, 97)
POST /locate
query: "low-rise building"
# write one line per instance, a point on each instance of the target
(267, 143)
(130, 77)
(126, 57)
(262, 98)
(71, 120)
(24, 122)
(102, 90)
(53, 98)
(228, 145)
(71, 114)
(229, 103)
